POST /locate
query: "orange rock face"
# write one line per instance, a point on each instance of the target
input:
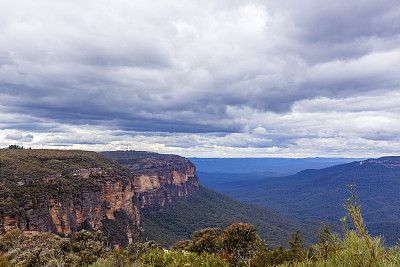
(115, 195)
(154, 180)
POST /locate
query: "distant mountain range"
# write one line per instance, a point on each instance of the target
(319, 194)
(215, 172)
(275, 166)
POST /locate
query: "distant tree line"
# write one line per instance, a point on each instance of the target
(16, 147)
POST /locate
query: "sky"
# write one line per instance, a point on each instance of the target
(200, 78)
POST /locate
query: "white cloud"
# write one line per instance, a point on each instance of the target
(260, 131)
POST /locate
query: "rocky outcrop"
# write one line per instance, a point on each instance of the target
(158, 178)
(392, 162)
(64, 191)
(65, 214)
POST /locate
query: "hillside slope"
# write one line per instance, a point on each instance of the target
(212, 209)
(320, 194)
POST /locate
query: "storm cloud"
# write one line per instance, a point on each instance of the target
(199, 78)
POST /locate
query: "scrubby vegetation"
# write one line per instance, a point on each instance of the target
(32, 176)
(45, 249)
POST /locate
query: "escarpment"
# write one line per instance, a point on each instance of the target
(159, 178)
(64, 191)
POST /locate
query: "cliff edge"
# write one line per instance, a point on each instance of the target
(63, 191)
(158, 178)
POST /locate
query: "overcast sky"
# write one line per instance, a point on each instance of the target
(224, 78)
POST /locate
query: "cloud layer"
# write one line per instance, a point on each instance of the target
(198, 78)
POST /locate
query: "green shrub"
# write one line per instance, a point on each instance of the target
(182, 245)
(105, 262)
(90, 246)
(357, 247)
(206, 240)
(160, 258)
(295, 254)
(240, 243)
(4, 262)
(36, 249)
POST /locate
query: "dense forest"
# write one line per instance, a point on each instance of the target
(180, 219)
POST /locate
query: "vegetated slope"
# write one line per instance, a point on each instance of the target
(212, 209)
(320, 194)
(29, 177)
(144, 161)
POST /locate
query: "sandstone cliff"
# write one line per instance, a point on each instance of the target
(63, 191)
(159, 178)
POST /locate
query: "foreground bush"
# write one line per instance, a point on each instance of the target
(237, 244)
(128, 256)
(295, 254)
(356, 248)
(160, 258)
(37, 249)
(45, 249)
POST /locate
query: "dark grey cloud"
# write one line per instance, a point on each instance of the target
(201, 76)
(342, 22)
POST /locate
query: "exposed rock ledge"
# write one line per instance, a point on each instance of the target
(158, 178)
(62, 191)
